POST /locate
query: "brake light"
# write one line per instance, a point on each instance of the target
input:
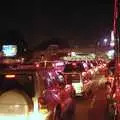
(41, 102)
(74, 64)
(37, 65)
(119, 65)
(83, 74)
(10, 76)
(42, 105)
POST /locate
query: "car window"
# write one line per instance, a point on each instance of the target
(70, 78)
(23, 82)
(76, 81)
(68, 68)
(78, 67)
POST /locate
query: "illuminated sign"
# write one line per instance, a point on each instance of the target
(9, 50)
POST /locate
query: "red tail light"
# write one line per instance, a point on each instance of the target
(118, 65)
(74, 64)
(37, 65)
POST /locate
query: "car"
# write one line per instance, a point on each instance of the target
(23, 95)
(19, 93)
(85, 67)
(81, 86)
(59, 99)
(80, 76)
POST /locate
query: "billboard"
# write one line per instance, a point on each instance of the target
(9, 50)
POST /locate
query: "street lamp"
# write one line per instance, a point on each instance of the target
(105, 41)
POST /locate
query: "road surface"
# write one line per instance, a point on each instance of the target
(93, 108)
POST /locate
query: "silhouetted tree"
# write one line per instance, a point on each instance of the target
(62, 43)
(14, 37)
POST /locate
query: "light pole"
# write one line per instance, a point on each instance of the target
(116, 31)
(116, 40)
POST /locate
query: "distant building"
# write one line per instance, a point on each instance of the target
(53, 47)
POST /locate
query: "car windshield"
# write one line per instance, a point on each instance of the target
(22, 82)
(74, 67)
(68, 68)
(72, 78)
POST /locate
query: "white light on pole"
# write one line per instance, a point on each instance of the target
(112, 36)
(112, 44)
(105, 41)
(110, 53)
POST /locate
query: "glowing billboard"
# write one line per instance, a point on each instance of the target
(9, 50)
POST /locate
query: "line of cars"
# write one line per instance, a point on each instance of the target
(113, 90)
(79, 74)
(24, 95)
(82, 73)
(27, 93)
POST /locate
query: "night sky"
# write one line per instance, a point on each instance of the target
(37, 21)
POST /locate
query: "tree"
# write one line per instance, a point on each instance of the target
(15, 37)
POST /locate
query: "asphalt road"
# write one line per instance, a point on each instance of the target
(93, 108)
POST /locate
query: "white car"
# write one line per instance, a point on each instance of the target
(78, 86)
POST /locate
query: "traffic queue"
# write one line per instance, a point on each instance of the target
(55, 84)
(113, 90)
(79, 74)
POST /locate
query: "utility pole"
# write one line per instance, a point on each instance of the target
(116, 32)
(116, 39)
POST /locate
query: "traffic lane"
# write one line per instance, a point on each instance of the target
(69, 110)
(98, 106)
(82, 109)
(77, 110)
(93, 108)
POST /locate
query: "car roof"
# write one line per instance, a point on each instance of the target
(18, 69)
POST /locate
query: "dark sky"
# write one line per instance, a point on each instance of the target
(81, 21)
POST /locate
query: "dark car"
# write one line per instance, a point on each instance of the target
(23, 93)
